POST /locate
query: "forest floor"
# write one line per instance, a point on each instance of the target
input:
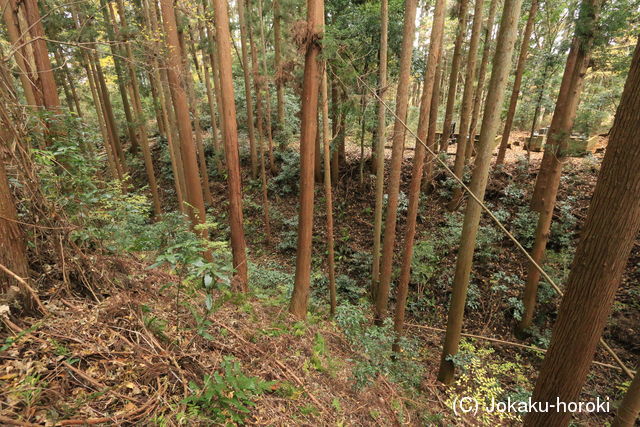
(147, 346)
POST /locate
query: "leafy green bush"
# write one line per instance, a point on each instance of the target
(524, 226)
(226, 397)
(424, 262)
(287, 180)
(374, 345)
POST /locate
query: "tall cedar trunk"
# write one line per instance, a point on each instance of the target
(215, 69)
(247, 89)
(467, 100)
(317, 161)
(140, 117)
(599, 261)
(629, 408)
(490, 123)
(41, 54)
(108, 114)
(117, 62)
(12, 244)
(97, 102)
(215, 85)
(195, 113)
(393, 189)
(177, 86)
(206, 66)
(435, 49)
(433, 123)
(61, 78)
(548, 180)
(363, 123)
(477, 96)
(257, 83)
(381, 134)
(335, 129)
(326, 135)
(267, 92)
(453, 77)
(238, 245)
(277, 48)
(517, 82)
(13, 31)
(168, 118)
(308, 129)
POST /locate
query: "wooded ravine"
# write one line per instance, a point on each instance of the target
(331, 212)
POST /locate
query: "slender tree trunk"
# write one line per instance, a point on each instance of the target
(206, 64)
(467, 100)
(13, 250)
(490, 123)
(433, 124)
(41, 56)
(117, 54)
(561, 124)
(215, 70)
(195, 113)
(399, 132)
(140, 117)
(257, 82)
(267, 92)
(379, 158)
(335, 131)
(515, 93)
(308, 129)
(277, 47)
(177, 86)
(166, 113)
(317, 161)
(62, 78)
(629, 408)
(238, 245)
(110, 120)
(363, 122)
(430, 77)
(247, 89)
(13, 31)
(326, 134)
(598, 264)
(477, 97)
(455, 69)
(97, 102)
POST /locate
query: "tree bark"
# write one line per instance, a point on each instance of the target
(548, 180)
(260, 122)
(308, 129)
(455, 69)
(611, 227)
(430, 76)
(629, 408)
(477, 97)
(13, 250)
(467, 99)
(277, 47)
(490, 123)
(326, 134)
(140, 117)
(238, 245)
(116, 53)
(433, 124)
(515, 93)
(393, 186)
(177, 87)
(247, 89)
(379, 156)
